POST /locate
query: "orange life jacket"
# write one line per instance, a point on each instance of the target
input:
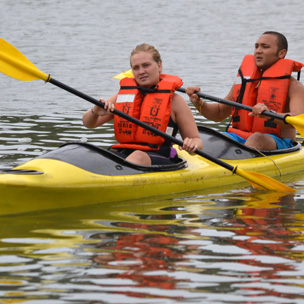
(151, 106)
(271, 88)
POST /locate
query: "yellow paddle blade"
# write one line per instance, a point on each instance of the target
(16, 65)
(122, 75)
(297, 122)
(263, 182)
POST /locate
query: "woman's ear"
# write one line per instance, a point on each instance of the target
(160, 67)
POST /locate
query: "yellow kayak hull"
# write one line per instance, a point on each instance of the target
(63, 185)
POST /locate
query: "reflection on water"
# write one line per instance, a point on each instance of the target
(187, 249)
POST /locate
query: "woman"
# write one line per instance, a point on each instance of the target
(149, 97)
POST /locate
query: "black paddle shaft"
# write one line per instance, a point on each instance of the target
(236, 104)
(139, 123)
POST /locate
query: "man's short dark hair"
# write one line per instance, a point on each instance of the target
(282, 41)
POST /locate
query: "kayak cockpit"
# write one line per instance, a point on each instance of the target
(106, 162)
(101, 161)
(20, 172)
(223, 147)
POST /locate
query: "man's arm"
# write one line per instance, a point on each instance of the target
(212, 111)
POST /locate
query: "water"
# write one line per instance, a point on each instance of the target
(226, 245)
(235, 247)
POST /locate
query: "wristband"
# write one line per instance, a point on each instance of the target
(201, 103)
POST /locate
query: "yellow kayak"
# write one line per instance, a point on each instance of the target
(78, 174)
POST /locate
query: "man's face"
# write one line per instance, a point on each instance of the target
(266, 51)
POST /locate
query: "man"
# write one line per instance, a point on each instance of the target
(270, 88)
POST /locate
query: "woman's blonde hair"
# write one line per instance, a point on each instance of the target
(144, 47)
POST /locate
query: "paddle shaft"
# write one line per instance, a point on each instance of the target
(235, 104)
(139, 123)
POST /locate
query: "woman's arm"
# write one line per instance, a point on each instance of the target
(97, 116)
(182, 116)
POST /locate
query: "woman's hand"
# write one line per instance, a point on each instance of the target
(108, 107)
(97, 116)
(189, 144)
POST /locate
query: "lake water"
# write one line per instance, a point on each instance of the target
(225, 245)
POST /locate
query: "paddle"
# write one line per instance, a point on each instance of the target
(16, 65)
(296, 121)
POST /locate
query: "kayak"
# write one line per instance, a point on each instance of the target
(78, 174)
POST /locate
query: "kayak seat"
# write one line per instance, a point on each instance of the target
(101, 161)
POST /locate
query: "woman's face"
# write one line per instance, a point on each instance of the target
(145, 69)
